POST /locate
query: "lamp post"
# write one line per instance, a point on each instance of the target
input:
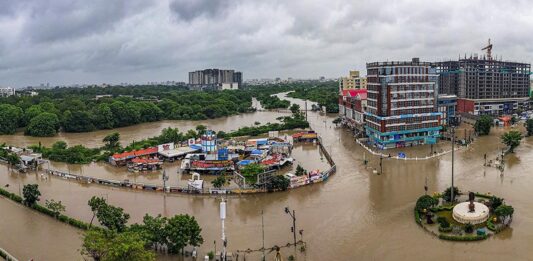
(165, 179)
(293, 228)
(222, 218)
(453, 153)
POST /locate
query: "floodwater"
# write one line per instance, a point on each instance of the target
(355, 215)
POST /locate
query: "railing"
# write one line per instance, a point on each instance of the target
(404, 158)
(5, 255)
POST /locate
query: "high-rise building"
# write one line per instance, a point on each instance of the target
(214, 78)
(352, 82)
(484, 85)
(402, 104)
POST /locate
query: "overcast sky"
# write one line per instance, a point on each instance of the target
(113, 41)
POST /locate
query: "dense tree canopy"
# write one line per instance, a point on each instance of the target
(10, 118)
(108, 245)
(80, 110)
(43, 125)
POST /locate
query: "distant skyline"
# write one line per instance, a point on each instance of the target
(65, 42)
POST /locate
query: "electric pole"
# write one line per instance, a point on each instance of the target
(293, 228)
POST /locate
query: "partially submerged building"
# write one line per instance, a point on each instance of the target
(402, 104)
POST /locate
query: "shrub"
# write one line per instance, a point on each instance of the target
(445, 229)
(463, 238)
(469, 228)
(425, 202)
(10, 195)
(441, 208)
(491, 226)
(443, 222)
(417, 217)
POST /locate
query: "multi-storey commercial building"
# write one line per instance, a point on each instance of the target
(486, 86)
(352, 82)
(402, 104)
(7, 91)
(214, 78)
(352, 106)
(447, 105)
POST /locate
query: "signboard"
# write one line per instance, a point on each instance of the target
(401, 155)
(431, 140)
(191, 141)
(164, 147)
(273, 134)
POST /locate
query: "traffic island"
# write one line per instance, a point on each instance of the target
(470, 217)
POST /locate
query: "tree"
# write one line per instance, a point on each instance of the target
(109, 216)
(154, 228)
(55, 206)
(95, 203)
(511, 139)
(218, 182)
(504, 212)
(43, 125)
(77, 121)
(529, 127)
(250, 172)
(12, 159)
(425, 202)
(125, 114)
(170, 135)
(279, 183)
(10, 118)
(200, 129)
(495, 202)
(31, 194)
(299, 170)
(183, 230)
(448, 194)
(112, 141)
(103, 117)
(107, 245)
(31, 113)
(295, 108)
(483, 124)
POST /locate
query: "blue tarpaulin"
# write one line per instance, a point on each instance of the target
(257, 152)
(245, 162)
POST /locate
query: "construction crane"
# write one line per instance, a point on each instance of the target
(489, 50)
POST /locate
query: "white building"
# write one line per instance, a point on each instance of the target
(7, 91)
(230, 86)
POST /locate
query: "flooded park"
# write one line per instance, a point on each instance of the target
(355, 214)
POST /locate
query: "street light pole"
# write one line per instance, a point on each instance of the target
(165, 178)
(222, 218)
(293, 228)
(453, 153)
(263, 231)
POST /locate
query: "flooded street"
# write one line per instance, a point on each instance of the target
(355, 215)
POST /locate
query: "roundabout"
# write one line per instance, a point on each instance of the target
(467, 218)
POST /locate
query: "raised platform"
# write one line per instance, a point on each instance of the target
(462, 214)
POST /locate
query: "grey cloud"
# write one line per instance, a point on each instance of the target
(138, 40)
(64, 20)
(189, 10)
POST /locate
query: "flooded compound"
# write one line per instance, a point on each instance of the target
(355, 214)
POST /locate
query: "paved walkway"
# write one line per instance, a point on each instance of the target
(362, 143)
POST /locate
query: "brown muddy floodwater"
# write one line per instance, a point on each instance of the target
(355, 215)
